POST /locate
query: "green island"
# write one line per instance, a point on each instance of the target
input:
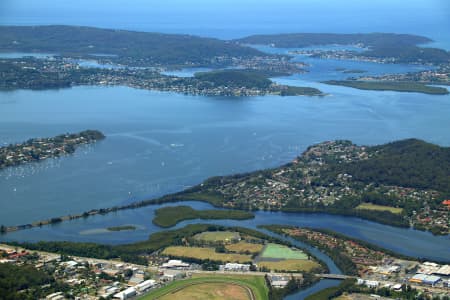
(398, 86)
(121, 228)
(171, 215)
(38, 149)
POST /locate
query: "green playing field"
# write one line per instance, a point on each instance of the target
(282, 252)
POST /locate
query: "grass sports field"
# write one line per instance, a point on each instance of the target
(289, 265)
(343, 297)
(210, 291)
(282, 252)
(370, 206)
(208, 286)
(242, 247)
(205, 253)
(217, 236)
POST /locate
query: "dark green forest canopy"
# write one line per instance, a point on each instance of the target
(165, 48)
(408, 163)
(171, 215)
(235, 78)
(22, 282)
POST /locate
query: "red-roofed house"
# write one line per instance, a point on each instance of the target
(446, 203)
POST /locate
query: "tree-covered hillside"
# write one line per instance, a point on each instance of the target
(409, 163)
(164, 48)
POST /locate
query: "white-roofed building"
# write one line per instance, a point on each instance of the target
(425, 279)
(175, 264)
(128, 293)
(142, 287)
(236, 267)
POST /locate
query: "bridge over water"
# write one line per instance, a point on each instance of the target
(334, 276)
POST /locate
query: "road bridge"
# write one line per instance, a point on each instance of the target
(334, 276)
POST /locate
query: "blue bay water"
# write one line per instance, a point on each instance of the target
(159, 143)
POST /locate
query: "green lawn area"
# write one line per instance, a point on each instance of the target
(217, 236)
(370, 206)
(255, 283)
(282, 252)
